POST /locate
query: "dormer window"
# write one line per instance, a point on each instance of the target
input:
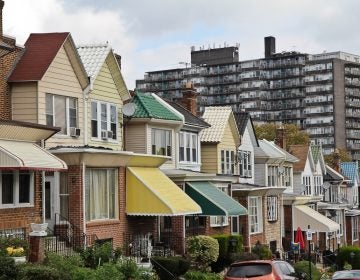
(103, 120)
(188, 147)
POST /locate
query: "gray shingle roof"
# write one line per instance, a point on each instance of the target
(190, 118)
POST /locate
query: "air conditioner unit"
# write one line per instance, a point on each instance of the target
(109, 134)
(104, 135)
(74, 132)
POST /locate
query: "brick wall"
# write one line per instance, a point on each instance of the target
(14, 218)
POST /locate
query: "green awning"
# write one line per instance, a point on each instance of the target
(213, 202)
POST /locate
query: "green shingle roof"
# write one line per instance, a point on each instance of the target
(148, 107)
(315, 150)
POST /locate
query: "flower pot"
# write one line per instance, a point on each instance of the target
(21, 259)
(38, 229)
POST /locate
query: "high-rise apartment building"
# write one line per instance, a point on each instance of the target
(318, 92)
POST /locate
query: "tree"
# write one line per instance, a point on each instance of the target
(293, 134)
(344, 157)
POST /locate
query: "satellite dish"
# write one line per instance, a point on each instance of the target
(129, 109)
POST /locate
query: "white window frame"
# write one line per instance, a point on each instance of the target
(220, 221)
(186, 138)
(245, 164)
(272, 208)
(306, 180)
(255, 214)
(340, 220)
(108, 121)
(67, 113)
(16, 203)
(167, 141)
(354, 228)
(88, 197)
(273, 176)
(228, 165)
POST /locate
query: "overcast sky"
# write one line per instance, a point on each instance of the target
(157, 34)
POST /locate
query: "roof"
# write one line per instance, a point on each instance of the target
(218, 117)
(316, 152)
(242, 119)
(273, 151)
(301, 152)
(148, 107)
(350, 170)
(40, 51)
(93, 57)
(190, 118)
(332, 175)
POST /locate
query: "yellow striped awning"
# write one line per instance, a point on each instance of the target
(28, 156)
(150, 192)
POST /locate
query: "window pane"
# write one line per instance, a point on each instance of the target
(7, 188)
(24, 188)
(60, 113)
(113, 121)
(103, 117)
(194, 147)
(73, 112)
(49, 110)
(94, 120)
(181, 147)
(187, 143)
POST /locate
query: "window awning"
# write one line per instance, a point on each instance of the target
(28, 156)
(304, 216)
(213, 201)
(150, 192)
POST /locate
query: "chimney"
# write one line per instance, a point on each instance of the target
(188, 100)
(280, 137)
(336, 160)
(270, 48)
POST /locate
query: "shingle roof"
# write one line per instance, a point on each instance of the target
(190, 118)
(218, 118)
(148, 107)
(349, 169)
(93, 57)
(301, 152)
(274, 151)
(332, 174)
(242, 119)
(40, 51)
(315, 150)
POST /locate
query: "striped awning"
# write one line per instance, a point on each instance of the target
(149, 192)
(213, 201)
(28, 156)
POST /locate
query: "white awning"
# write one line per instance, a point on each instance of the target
(304, 216)
(28, 156)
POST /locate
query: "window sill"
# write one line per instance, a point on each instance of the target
(8, 206)
(254, 233)
(216, 225)
(111, 141)
(103, 222)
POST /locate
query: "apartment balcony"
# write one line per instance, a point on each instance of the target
(355, 92)
(318, 91)
(353, 135)
(352, 125)
(352, 103)
(353, 83)
(318, 81)
(355, 156)
(353, 146)
(282, 64)
(352, 114)
(352, 72)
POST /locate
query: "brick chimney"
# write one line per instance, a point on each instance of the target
(336, 160)
(188, 100)
(280, 139)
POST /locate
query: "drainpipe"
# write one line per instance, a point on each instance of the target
(42, 144)
(85, 113)
(83, 198)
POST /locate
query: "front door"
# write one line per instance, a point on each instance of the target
(51, 205)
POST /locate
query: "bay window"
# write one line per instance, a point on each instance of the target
(61, 111)
(255, 214)
(161, 142)
(104, 121)
(16, 188)
(101, 192)
(245, 164)
(188, 147)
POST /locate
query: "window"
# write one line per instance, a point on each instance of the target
(306, 180)
(194, 222)
(188, 147)
(64, 196)
(161, 142)
(227, 162)
(317, 185)
(340, 220)
(16, 188)
(254, 209)
(101, 193)
(61, 111)
(104, 120)
(272, 208)
(355, 228)
(245, 164)
(272, 176)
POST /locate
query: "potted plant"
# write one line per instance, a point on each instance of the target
(17, 253)
(38, 228)
(15, 248)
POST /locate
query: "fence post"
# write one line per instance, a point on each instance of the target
(37, 246)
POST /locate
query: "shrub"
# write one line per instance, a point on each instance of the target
(262, 251)
(302, 268)
(14, 246)
(39, 272)
(197, 275)
(8, 269)
(202, 250)
(128, 268)
(109, 271)
(244, 256)
(344, 256)
(66, 265)
(97, 254)
(167, 267)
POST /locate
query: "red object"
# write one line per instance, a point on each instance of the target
(299, 238)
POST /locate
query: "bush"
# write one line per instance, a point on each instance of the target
(109, 271)
(8, 269)
(262, 251)
(344, 256)
(302, 268)
(128, 268)
(203, 250)
(39, 272)
(97, 254)
(165, 265)
(197, 275)
(66, 265)
(244, 256)
(14, 243)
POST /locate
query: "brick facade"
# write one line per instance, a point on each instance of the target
(349, 238)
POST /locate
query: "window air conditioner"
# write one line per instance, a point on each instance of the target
(109, 134)
(74, 132)
(104, 134)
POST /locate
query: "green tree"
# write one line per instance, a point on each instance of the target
(343, 154)
(293, 134)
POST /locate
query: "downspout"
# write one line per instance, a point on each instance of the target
(43, 187)
(85, 113)
(83, 198)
